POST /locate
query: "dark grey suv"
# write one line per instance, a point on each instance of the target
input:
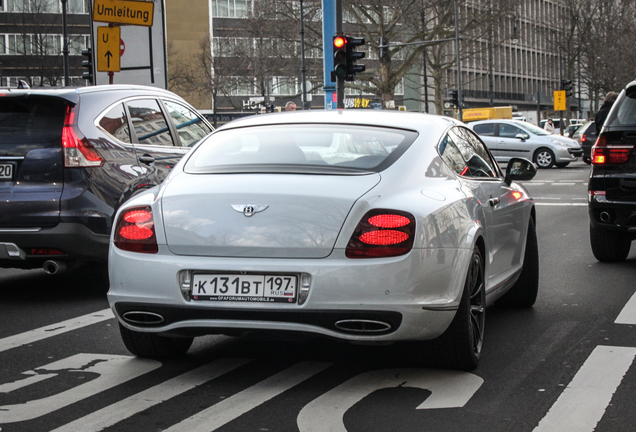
(70, 157)
(612, 185)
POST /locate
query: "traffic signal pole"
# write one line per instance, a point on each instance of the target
(340, 84)
(328, 31)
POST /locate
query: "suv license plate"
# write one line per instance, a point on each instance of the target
(6, 171)
(244, 288)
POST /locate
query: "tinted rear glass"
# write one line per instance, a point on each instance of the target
(300, 148)
(624, 111)
(31, 119)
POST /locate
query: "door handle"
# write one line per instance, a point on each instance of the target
(147, 159)
(493, 201)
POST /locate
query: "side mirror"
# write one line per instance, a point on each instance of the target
(522, 137)
(519, 169)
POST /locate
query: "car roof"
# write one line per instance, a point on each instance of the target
(418, 122)
(514, 122)
(72, 93)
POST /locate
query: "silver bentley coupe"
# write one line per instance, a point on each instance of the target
(361, 225)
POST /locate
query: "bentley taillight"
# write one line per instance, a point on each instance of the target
(135, 230)
(605, 153)
(382, 233)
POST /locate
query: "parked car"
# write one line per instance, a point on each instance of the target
(507, 139)
(586, 137)
(70, 157)
(612, 184)
(364, 226)
(571, 130)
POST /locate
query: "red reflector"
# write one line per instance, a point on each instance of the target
(384, 237)
(137, 216)
(465, 170)
(45, 251)
(389, 221)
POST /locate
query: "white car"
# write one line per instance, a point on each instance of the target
(508, 139)
(365, 226)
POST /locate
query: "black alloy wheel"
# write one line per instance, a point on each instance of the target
(460, 346)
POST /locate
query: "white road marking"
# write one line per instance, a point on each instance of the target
(41, 333)
(12, 386)
(563, 184)
(126, 408)
(450, 389)
(561, 204)
(231, 408)
(112, 369)
(628, 314)
(584, 401)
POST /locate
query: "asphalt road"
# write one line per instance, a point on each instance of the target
(564, 365)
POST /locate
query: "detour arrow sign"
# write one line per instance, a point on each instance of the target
(108, 54)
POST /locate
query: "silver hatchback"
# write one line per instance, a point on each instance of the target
(507, 139)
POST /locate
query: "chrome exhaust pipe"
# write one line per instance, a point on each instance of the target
(142, 318)
(52, 267)
(605, 217)
(362, 326)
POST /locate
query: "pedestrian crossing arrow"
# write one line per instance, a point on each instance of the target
(108, 58)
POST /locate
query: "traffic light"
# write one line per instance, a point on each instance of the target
(339, 57)
(88, 64)
(353, 56)
(383, 49)
(567, 86)
(454, 97)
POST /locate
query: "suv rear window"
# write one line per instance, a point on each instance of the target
(300, 148)
(31, 119)
(625, 115)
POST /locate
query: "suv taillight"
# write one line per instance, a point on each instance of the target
(583, 138)
(78, 152)
(604, 153)
(382, 233)
(135, 230)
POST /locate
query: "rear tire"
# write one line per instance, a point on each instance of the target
(609, 246)
(587, 160)
(524, 292)
(459, 347)
(151, 345)
(544, 158)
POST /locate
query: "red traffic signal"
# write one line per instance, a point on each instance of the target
(339, 42)
(339, 57)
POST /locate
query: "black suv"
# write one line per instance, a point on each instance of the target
(586, 137)
(612, 185)
(70, 157)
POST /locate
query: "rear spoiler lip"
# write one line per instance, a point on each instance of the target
(69, 95)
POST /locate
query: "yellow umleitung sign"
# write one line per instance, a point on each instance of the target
(559, 100)
(124, 12)
(108, 58)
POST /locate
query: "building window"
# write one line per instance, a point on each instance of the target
(231, 8)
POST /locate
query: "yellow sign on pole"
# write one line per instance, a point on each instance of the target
(108, 58)
(559, 100)
(124, 12)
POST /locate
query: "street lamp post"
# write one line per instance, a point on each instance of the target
(65, 43)
(460, 98)
(303, 69)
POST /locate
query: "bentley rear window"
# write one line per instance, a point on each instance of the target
(300, 148)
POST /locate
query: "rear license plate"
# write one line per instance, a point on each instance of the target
(6, 171)
(244, 288)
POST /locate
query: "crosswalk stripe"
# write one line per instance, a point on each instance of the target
(584, 401)
(41, 333)
(110, 415)
(233, 407)
(628, 314)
